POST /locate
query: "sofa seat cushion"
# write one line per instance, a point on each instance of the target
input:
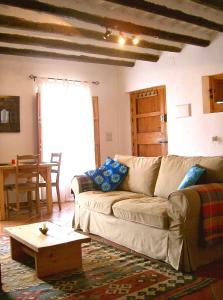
(142, 173)
(102, 202)
(151, 211)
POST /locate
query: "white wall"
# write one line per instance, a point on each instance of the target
(14, 81)
(182, 73)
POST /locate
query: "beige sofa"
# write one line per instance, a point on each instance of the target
(148, 214)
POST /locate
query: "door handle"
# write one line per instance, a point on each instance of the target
(163, 142)
(163, 118)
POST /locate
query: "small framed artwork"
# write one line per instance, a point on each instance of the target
(9, 114)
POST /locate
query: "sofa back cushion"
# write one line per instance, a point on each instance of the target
(142, 174)
(173, 169)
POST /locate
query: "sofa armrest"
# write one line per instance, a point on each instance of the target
(82, 183)
(183, 209)
(183, 205)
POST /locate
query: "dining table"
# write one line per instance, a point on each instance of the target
(7, 169)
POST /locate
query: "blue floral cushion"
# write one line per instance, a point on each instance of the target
(109, 176)
(192, 176)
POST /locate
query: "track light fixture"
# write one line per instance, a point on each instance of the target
(135, 40)
(107, 34)
(121, 39)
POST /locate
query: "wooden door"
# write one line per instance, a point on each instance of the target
(149, 122)
(96, 131)
(38, 126)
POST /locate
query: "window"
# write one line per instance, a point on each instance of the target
(213, 93)
(66, 124)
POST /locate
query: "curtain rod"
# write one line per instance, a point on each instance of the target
(34, 77)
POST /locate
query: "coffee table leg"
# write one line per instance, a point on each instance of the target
(16, 250)
(53, 260)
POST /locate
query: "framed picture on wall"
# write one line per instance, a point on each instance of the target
(9, 114)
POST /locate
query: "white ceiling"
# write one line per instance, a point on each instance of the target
(107, 9)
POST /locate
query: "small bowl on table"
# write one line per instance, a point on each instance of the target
(43, 230)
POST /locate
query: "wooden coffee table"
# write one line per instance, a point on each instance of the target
(57, 251)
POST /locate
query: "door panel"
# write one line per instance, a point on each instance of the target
(148, 122)
(144, 105)
(96, 131)
(149, 150)
(38, 126)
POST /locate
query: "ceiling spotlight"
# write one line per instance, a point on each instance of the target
(121, 40)
(135, 40)
(107, 34)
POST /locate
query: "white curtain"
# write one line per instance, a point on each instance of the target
(67, 127)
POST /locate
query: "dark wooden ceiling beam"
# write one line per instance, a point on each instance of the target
(216, 4)
(65, 45)
(59, 56)
(170, 13)
(19, 23)
(106, 22)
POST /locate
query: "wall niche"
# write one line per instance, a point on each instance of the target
(212, 89)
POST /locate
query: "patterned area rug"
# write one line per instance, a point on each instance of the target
(107, 274)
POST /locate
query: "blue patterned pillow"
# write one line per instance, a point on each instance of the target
(109, 176)
(192, 176)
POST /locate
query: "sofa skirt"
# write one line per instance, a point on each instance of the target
(147, 240)
(176, 246)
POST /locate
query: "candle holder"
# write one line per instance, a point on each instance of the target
(43, 229)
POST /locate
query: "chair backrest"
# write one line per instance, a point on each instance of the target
(56, 159)
(27, 169)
